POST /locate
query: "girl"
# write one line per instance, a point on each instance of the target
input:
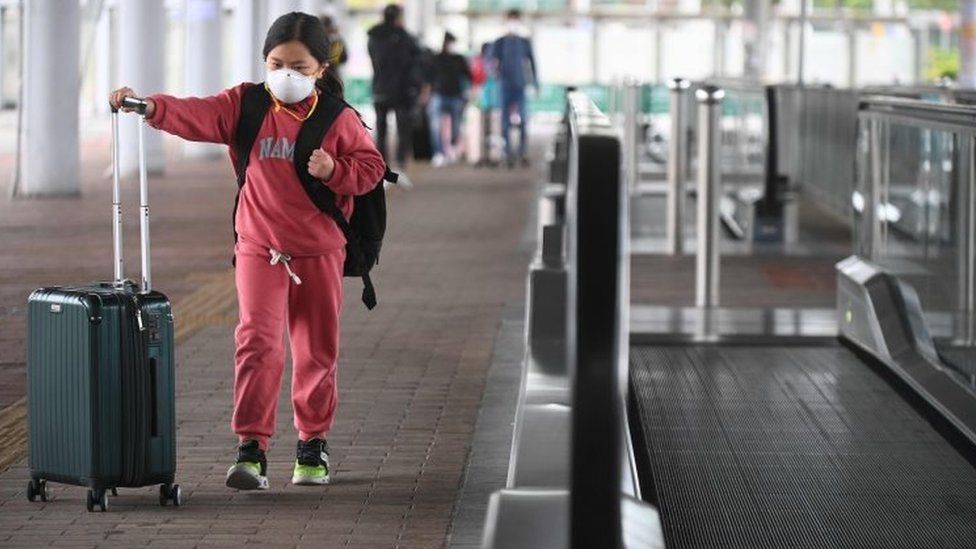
(280, 232)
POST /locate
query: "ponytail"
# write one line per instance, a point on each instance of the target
(331, 83)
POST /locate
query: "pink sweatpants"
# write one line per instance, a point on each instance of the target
(267, 297)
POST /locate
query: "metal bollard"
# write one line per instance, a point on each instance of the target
(709, 194)
(677, 160)
(630, 110)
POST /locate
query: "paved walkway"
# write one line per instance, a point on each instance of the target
(411, 375)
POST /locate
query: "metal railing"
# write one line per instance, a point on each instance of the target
(661, 153)
(709, 193)
(914, 208)
(677, 167)
(572, 478)
(810, 132)
(817, 144)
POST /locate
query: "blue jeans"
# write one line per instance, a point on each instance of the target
(513, 97)
(440, 105)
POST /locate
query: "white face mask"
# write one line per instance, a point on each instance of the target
(290, 86)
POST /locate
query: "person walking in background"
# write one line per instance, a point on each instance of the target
(514, 65)
(487, 97)
(396, 80)
(338, 54)
(422, 147)
(450, 81)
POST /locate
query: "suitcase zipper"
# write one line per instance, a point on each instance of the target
(138, 307)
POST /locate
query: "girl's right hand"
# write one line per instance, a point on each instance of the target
(116, 97)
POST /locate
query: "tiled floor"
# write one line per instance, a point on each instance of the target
(411, 373)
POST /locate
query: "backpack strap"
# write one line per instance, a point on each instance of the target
(309, 138)
(255, 103)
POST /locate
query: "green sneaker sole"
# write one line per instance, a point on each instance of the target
(305, 480)
(242, 476)
(310, 476)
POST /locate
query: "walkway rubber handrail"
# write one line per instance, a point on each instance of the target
(598, 292)
(961, 118)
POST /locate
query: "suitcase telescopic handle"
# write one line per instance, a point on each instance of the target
(135, 103)
(139, 105)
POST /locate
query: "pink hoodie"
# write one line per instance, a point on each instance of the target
(274, 210)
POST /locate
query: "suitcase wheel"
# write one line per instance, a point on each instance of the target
(168, 493)
(37, 489)
(97, 498)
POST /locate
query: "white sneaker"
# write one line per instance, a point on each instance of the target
(438, 160)
(402, 181)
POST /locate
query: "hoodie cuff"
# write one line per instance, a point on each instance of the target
(338, 173)
(159, 113)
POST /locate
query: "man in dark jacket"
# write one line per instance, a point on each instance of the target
(396, 79)
(515, 68)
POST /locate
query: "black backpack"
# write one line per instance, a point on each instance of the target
(364, 231)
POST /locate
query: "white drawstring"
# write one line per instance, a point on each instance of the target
(283, 258)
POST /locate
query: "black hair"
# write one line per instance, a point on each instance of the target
(448, 39)
(308, 30)
(391, 13)
(513, 13)
(327, 22)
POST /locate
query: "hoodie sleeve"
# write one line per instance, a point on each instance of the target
(358, 165)
(211, 119)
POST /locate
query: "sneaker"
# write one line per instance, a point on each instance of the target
(251, 470)
(438, 160)
(312, 463)
(403, 182)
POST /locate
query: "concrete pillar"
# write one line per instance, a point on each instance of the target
(658, 51)
(3, 65)
(103, 60)
(250, 27)
(202, 57)
(967, 44)
(718, 48)
(851, 55)
(340, 14)
(595, 53)
(277, 8)
(787, 46)
(48, 162)
(802, 54)
(920, 35)
(418, 17)
(141, 43)
(756, 38)
(312, 7)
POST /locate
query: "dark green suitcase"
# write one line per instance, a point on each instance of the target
(100, 380)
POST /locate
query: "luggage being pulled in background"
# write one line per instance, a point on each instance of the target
(100, 376)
